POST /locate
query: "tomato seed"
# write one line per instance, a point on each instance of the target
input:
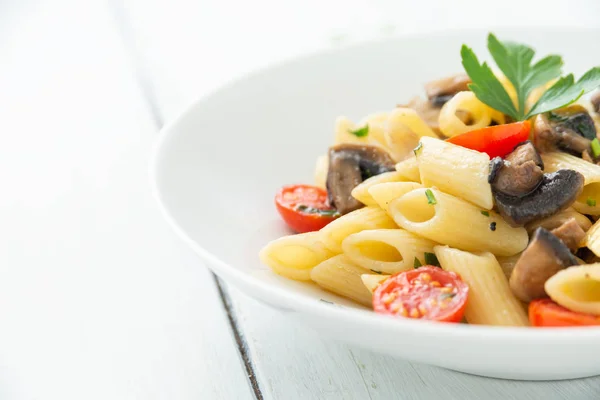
(414, 313)
(435, 284)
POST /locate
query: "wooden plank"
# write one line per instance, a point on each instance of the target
(196, 49)
(99, 299)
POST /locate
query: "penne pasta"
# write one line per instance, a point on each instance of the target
(447, 219)
(340, 276)
(371, 281)
(588, 201)
(384, 193)
(507, 264)
(333, 234)
(455, 170)
(409, 169)
(294, 256)
(361, 192)
(576, 288)
(491, 302)
(480, 114)
(386, 250)
(404, 129)
(592, 238)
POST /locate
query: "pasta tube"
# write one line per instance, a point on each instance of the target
(404, 129)
(576, 288)
(449, 220)
(386, 250)
(480, 114)
(409, 169)
(384, 193)
(361, 192)
(340, 276)
(491, 302)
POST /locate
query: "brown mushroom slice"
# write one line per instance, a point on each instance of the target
(570, 130)
(544, 257)
(349, 165)
(556, 192)
(441, 90)
(520, 173)
(570, 233)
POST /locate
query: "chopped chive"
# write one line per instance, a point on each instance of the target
(430, 197)
(431, 259)
(360, 132)
(591, 202)
(419, 147)
(445, 296)
(486, 213)
(596, 147)
(377, 272)
(417, 263)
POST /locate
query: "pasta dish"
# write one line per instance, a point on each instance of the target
(479, 203)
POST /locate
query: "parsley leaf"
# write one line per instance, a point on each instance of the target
(515, 62)
(360, 132)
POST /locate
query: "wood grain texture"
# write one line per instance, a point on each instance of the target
(99, 299)
(291, 361)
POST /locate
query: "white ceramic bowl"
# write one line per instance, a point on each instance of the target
(217, 167)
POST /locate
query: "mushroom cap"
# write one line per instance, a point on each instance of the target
(556, 192)
(544, 257)
(520, 173)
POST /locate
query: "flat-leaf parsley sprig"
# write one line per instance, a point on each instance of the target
(515, 62)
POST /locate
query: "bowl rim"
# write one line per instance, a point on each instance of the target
(304, 304)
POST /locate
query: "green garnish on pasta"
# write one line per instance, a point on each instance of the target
(591, 202)
(515, 62)
(360, 132)
(595, 147)
(417, 263)
(430, 197)
(431, 259)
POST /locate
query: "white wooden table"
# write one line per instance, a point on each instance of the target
(98, 299)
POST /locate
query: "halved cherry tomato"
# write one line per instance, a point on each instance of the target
(545, 312)
(304, 208)
(427, 292)
(496, 140)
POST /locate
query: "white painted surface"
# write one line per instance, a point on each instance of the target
(98, 300)
(185, 61)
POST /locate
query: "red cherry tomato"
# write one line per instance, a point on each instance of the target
(496, 140)
(304, 208)
(545, 312)
(426, 293)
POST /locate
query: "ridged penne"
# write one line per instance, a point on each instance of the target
(340, 276)
(556, 220)
(409, 169)
(491, 302)
(361, 192)
(404, 129)
(294, 256)
(589, 201)
(455, 170)
(592, 238)
(480, 114)
(386, 250)
(371, 281)
(576, 288)
(508, 264)
(384, 193)
(446, 219)
(333, 234)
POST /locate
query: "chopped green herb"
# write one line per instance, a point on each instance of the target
(591, 202)
(515, 62)
(431, 259)
(430, 197)
(416, 149)
(377, 272)
(493, 226)
(417, 263)
(486, 213)
(313, 210)
(445, 296)
(596, 147)
(360, 132)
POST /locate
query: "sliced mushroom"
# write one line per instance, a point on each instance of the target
(570, 233)
(545, 256)
(520, 173)
(349, 165)
(442, 90)
(556, 192)
(570, 130)
(596, 102)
